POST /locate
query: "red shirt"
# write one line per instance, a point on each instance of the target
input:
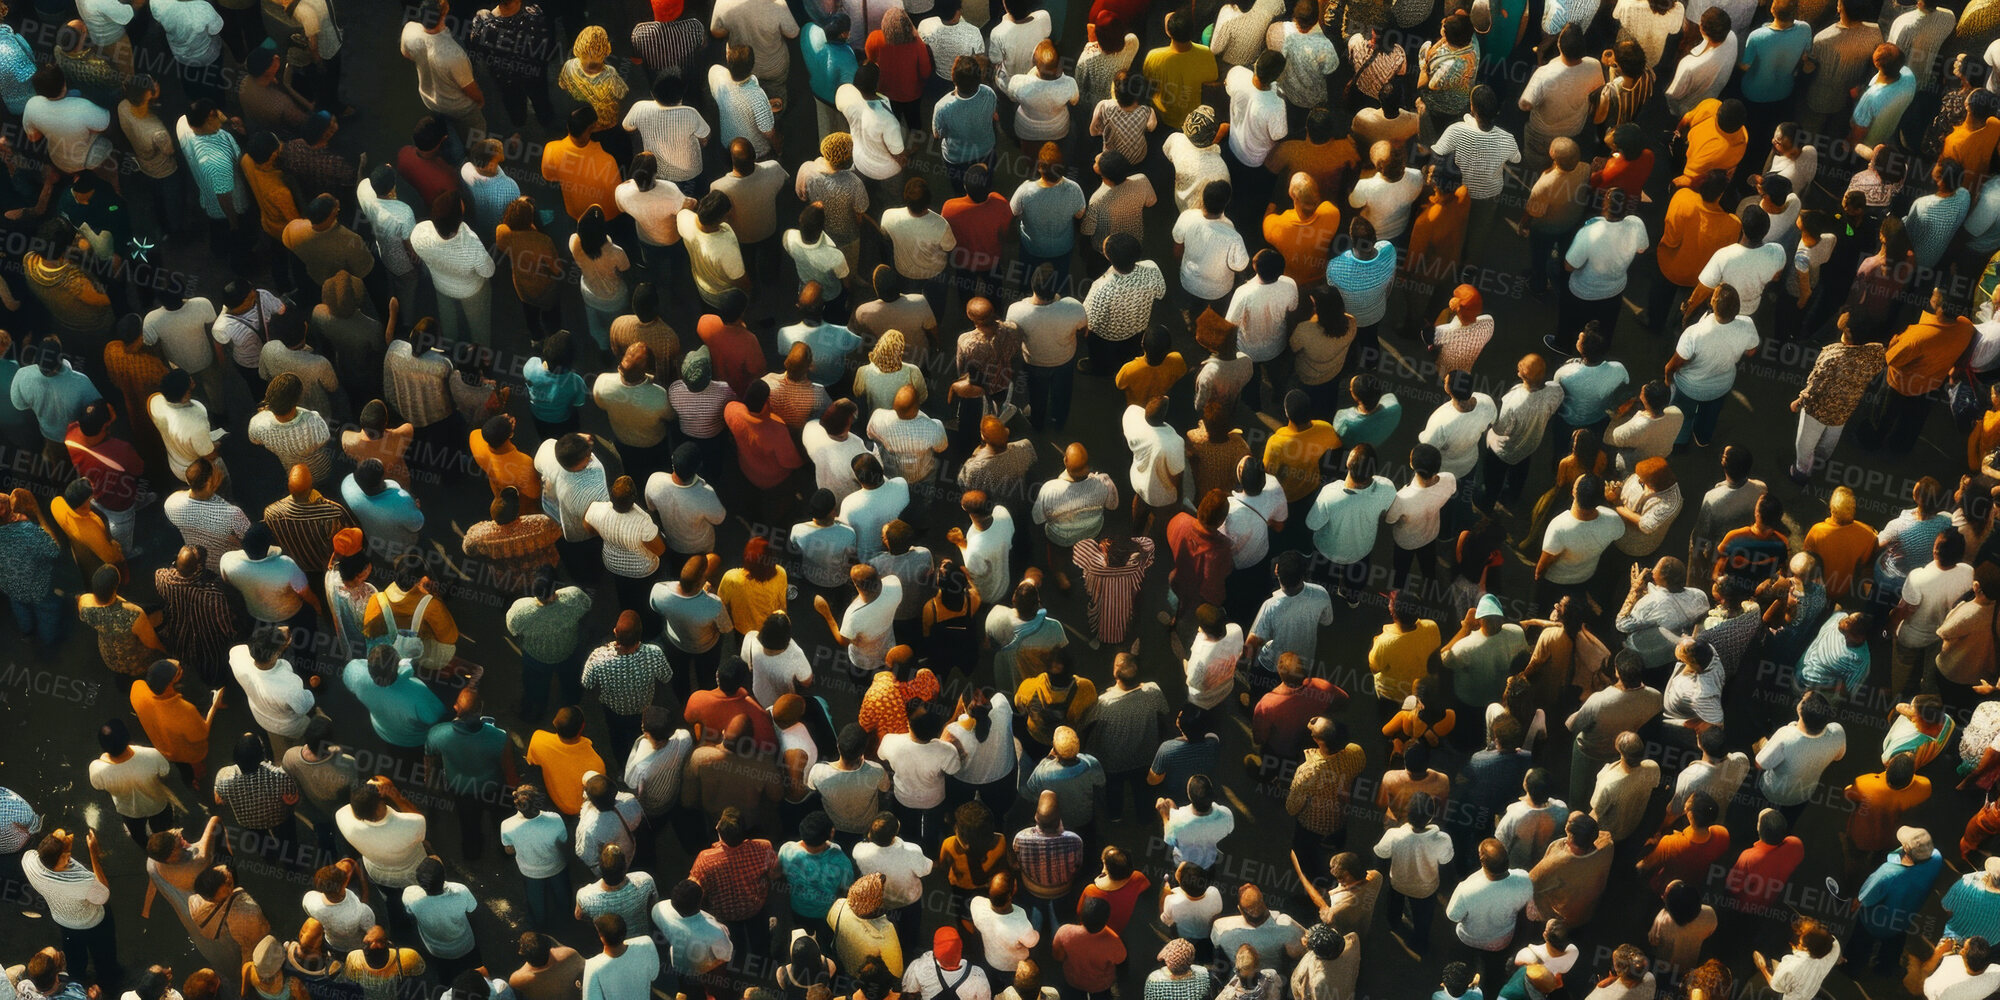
(978, 227)
(1630, 175)
(735, 879)
(1122, 900)
(112, 466)
(1681, 858)
(764, 446)
(905, 67)
(429, 176)
(1202, 560)
(1089, 961)
(710, 709)
(737, 354)
(1761, 871)
(1125, 12)
(1280, 718)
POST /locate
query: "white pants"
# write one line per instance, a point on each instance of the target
(1814, 444)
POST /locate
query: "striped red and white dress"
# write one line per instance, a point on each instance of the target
(1113, 590)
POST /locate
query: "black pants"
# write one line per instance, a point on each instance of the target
(96, 947)
(1573, 314)
(1501, 482)
(141, 827)
(1865, 947)
(1423, 557)
(516, 94)
(692, 671)
(1119, 788)
(1422, 912)
(1903, 420)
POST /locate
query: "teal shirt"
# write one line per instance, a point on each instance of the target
(1773, 57)
(1345, 522)
(1356, 427)
(815, 880)
(402, 713)
(552, 395)
(472, 759)
(828, 64)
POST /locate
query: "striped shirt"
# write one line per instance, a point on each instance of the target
(306, 529)
(567, 495)
(671, 44)
(1481, 156)
(213, 523)
(212, 160)
(700, 413)
(414, 384)
(76, 896)
(624, 681)
(909, 447)
(1049, 862)
(796, 403)
(300, 440)
(742, 110)
(1113, 589)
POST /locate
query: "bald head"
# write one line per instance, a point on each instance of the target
(979, 310)
(1076, 458)
(1305, 192)
(906, 402)
(299, 482)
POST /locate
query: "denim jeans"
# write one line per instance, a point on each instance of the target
(1049, 395)
(41, 617)
(1702, 415)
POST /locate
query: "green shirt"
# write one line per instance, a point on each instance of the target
(547, 632)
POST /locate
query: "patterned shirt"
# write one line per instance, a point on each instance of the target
(1318, 796)
(212, 523)
(17, 67)
(700, 413)
(316, 169)
(743, 110)
(212, 160)
(1048, 860)
(1839, 378)
(305, 530)
(1120, 306)
(965, 125)
(392, 221)
(300, 440)
(516, 549)
(257, 798)
(671, 44)
(15, 812)
(735, 879)
(842, 193)
(414, 384)
(27, 559)
(514, 48)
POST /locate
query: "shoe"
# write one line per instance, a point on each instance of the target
(1798, 478)
(1353, 599)
(1557, 346)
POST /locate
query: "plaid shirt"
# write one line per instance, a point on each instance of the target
(136, 374)
(735, 879)
(16, 812)
(317, 170)
(671, 45)
(1320, 787)
(257, 798)
(1049, 862)
(624, 681)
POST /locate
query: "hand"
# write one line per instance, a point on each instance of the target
(956, 537)
(90, 838)
(1796, 403)
(215, 700)
(820, 605)
(382, 783)
(1471, 617)
(1638, 576)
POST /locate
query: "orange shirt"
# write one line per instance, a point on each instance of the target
(1841, 548)
(275, 204)
(1695, 230)
(1709, 148)
(587, 174)
(1303, 241)
(1437, 237)
(1331, 164)
(174, 726)
(1973, 149)
(512, 467)
(1924, 353)
(89, 536)
(563, 767)
(1984, 438)
(1879, 809)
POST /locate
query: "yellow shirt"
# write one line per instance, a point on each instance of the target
(1177, 81)
(89, 537)
(1400, 659)
(1293, 456)
(1141, 381)
(563, 767)
(748, 601)
(513, 467)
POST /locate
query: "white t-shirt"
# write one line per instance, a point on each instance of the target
(673, 133)
(655, 211)
(917, 770)
(1211, 666)
(442, 69)
(1158, 456)
(1257, 118)
(1212, 253)
(1194, 167)
(538, 843)
(1792, 762)
(871, 627)
(1413, 518)
(1041, 106)
(922, 244)
(1191, 918)
(278, 699)
(771, 674)
(1578, 544)
(73, 128)
(986, 554)
(1456, 433)
(1712, 350)
(1602, 254)
(902, 866)
(346, 922)
(1387, 204)
(1746, 269)
(1010, 45)
(1007, 938)
(1194, 837)
(625, 536)
(1931, 591)
(391, 848)
(1248, 524)
(1260, 310)
(135, 784)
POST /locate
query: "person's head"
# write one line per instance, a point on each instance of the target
(1814, 713)
(1457, 29)
(1682, 901)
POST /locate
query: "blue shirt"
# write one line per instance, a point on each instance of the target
(1048, 217)
(1773, 57)
(1933, 221)
(1830, 661)
(965, 125)
(17, 67)
(1345, 521)
(1587, 390)
(1356, 427)
(1880, 107)
(402, 713)
(831, 344)
(828, 65)
(56, 400)
(815, 880)
(1364, 283)
(1892, 896)
(552, 395)
(1975, 912)
(389, 516)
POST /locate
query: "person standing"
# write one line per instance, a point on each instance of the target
(1486, 907)
(77, 896)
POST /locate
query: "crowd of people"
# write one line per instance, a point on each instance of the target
(748, 501)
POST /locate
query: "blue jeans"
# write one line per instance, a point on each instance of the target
(1702, 415)
(1048, 394)
(41, 617)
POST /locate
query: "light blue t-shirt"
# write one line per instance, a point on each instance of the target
(1048, 216)
(1880, 107)
(402, 713)
(1364, 283)
(552, 395)
(389, 516)
(56, 401)
(1345, 521)
(1587, 389)
(965, 125)
(831, 344)
(825, 552)
(1774, 57)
